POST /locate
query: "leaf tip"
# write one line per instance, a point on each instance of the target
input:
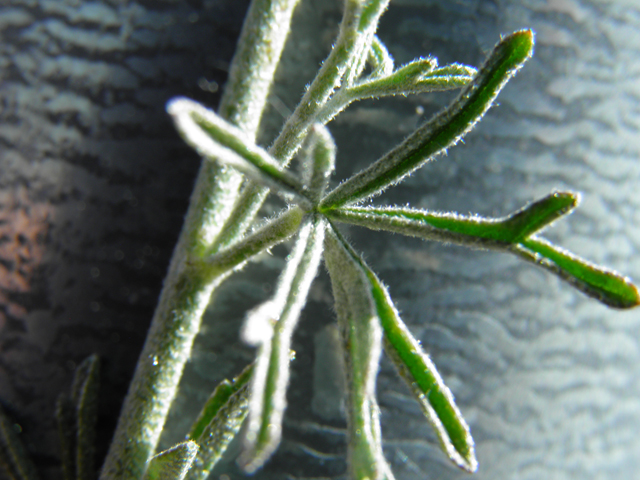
(570, 199)
(178, 105)
(628, 297)
(521, 44)
(469, 463)
(603, 284)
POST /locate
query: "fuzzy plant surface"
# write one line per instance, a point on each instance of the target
(221, 235)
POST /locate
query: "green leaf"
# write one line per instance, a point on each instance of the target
(379, 58)
(85, 395)
(318, 161)
(76, 415)
(385, 472)
(67, 432)
(444, 78)
(417, 369)
(218, 140)
(217, 400)
(14, 462)
(539, 215)
(403, 81)
(605, 285)
(219, 422)
(367, 16)
(444, 130)
(510, 234)
(173, 463)
(343, 65)
(419, 76)
(271, 326)
(273, 233)
(371, 13)
(473, 231)
(411, 72)
(361, 333)
(414, 366)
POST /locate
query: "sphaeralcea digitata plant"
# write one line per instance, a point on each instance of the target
(217, 239)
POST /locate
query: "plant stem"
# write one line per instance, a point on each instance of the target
(187, 289)
(297, 125)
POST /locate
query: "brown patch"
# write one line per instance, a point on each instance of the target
(24, 226)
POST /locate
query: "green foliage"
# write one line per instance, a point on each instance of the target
(443, 130)
(366, 314)
(219, 422)
(77, 415)
(513, 234)
(14, 462)
(172, 464)
(362, 339)
(271, 326)
(217, 401)
(235, 178)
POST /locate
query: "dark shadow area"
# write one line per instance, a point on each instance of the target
(95, 182)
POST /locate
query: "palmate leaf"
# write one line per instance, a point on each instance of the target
(413, 365)
(514, 234)
(442, 131)
(366, 314)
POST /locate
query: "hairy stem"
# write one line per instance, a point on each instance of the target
(187, 290)
(305, 115)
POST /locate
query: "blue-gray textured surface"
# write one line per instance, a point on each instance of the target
(92, 178)
(94, 183)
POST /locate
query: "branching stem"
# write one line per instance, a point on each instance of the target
(187, 290)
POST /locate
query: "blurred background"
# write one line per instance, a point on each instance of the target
(94, 182)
